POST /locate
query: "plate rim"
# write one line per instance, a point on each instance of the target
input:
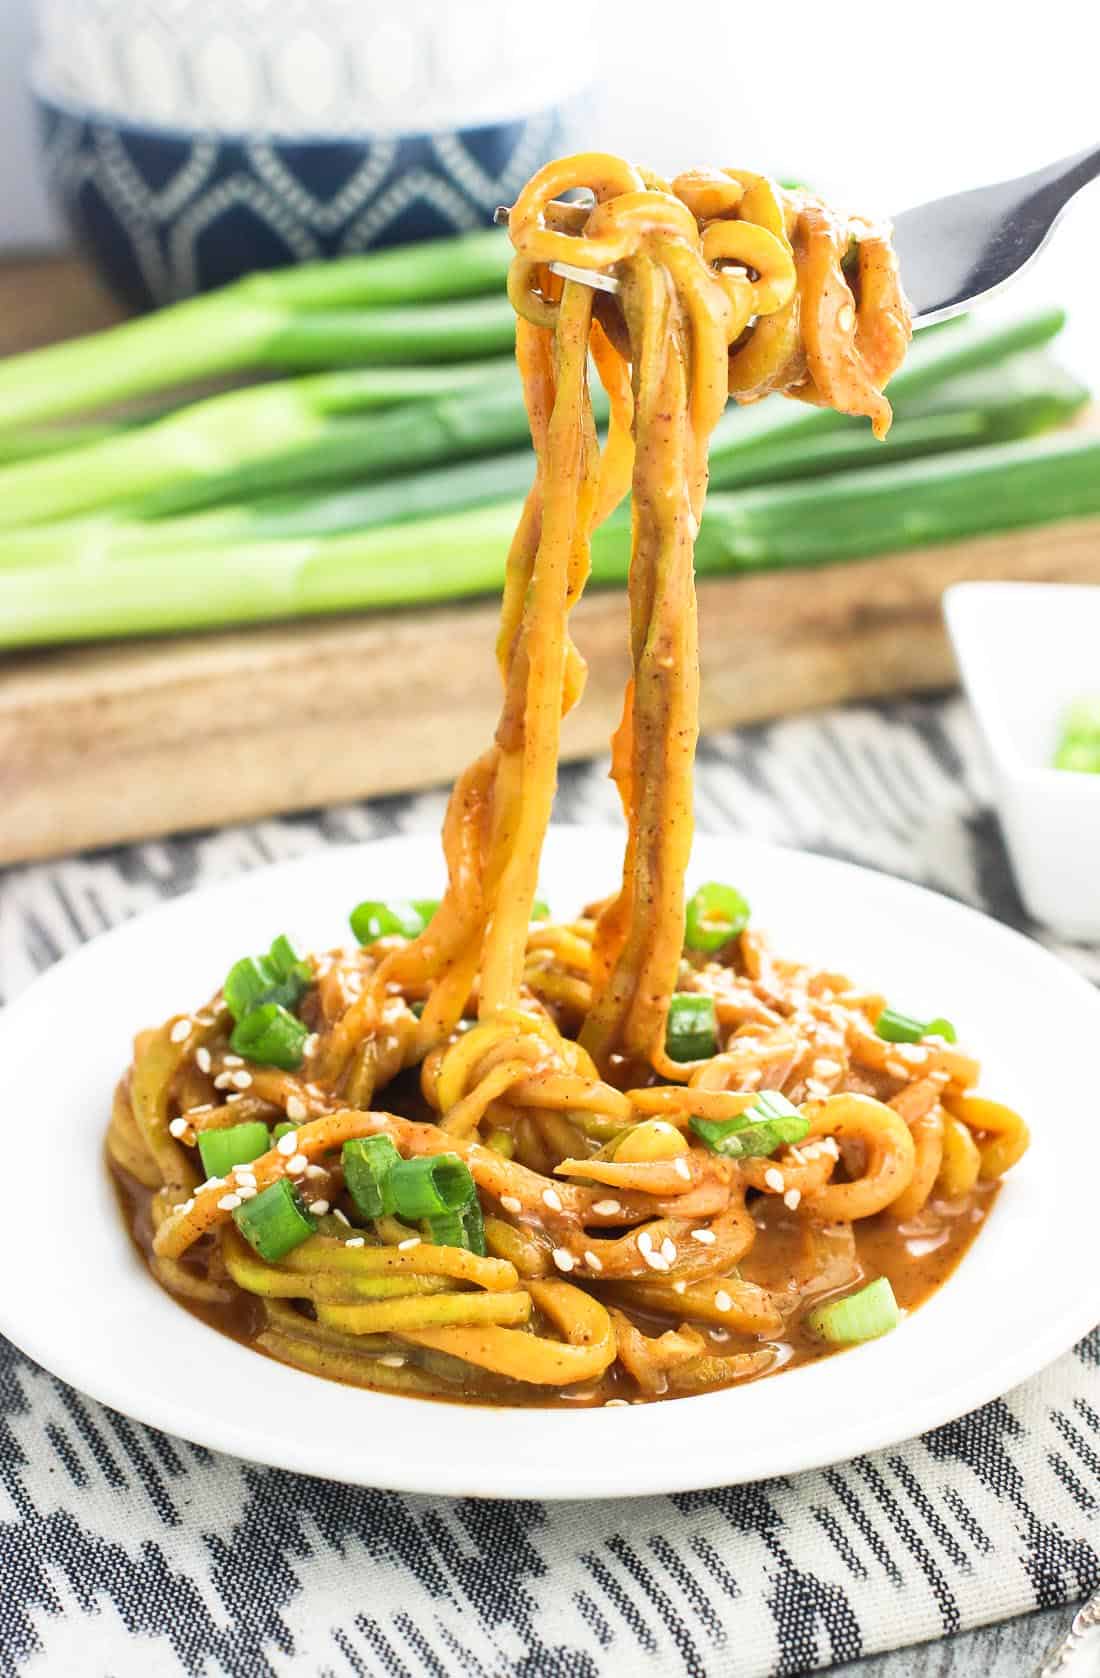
(905, 1417)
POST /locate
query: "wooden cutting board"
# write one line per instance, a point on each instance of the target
(131, 739)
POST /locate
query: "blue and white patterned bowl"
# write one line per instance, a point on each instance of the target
(189, 144)
(164, 214)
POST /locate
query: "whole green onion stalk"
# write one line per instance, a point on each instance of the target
(847, 516)
(439, 300)
(1018, 397)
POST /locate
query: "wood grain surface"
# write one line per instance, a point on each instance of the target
(127, 740)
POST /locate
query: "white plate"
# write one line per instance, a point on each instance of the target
(78, 1299)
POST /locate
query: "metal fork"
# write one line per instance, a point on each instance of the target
(954, 252)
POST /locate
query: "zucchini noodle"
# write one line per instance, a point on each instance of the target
(627, 1257)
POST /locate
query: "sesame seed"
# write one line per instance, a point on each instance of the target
(816, 1088)
(605, 1208)
(355, 1241)
(792, 1198)
(187, 1205)
(232, 1060)
(563, 1259)
(242, 1080)
(846, 318)
(223, 1081)
(336, 1212)
(774, 1179)
(826, 1068)
(204, 1019)
(591, 1260)
(616, 1404)
(180, 1032)
(237, 1097)
(229, 1202)
(509, 1203)
(247, 1191)
(320, 1207)
(309, 1047)
(392, 1361)
(645, 1241)
(316, 1171)
(656, 1261)
(408, 1244)
(722, 1300)
(681, 1167)
(207, 1107)
(897, 1069)
(706, 1236)
(297, 1165)
(287, 1144)
(679, 1287)
(830, 1146)
(178, 1128)
(213, 1183)
(668, 1250)
(551, 1198)
(721, 1334)
(244, 1174)
(296, 1109)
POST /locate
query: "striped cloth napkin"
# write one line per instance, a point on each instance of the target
(127, 1553)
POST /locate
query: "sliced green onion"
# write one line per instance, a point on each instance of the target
(429, 1185)
(1079, 742)
(275, 1221)
(540, 911)
(714, 915)
(280, 976)
(772, 1122)
(446, 1229)
(270, 1036)
(893, 1027)
(368, 1163)
(473, 1226)
(692, 1031)
(863, 1315)
(371, 920)
(238, 1144)
(746, 1138)
(773, 1104)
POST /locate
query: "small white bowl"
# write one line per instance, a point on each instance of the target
(1026, 651)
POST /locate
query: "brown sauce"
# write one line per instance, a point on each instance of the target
(917, 1257)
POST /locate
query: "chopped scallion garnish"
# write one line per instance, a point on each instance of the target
(270, 1036)
(1079, 742)
(893, 1027)
(769, 1124)
(368, 1163)
(372, 920)
(280, 976)
(275, 1221)
(864, 1315)
(238, 1144)
(430, 1185)
(714, 915)
(692, 1031)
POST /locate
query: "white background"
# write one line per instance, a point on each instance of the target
(877, 102)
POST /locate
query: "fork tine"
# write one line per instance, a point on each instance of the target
(571, 218)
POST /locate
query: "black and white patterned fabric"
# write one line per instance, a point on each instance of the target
(127, 1554)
